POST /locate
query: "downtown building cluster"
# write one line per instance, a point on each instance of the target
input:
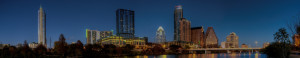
(184, 34)
(125, 32)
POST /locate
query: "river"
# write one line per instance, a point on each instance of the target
(219, 55)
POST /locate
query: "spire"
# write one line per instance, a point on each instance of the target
(40, 5)
(41, 8)
(160, 28)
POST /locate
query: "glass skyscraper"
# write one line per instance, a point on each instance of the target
(125, 23)
(178, 14)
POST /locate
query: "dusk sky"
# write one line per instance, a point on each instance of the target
(250, 20)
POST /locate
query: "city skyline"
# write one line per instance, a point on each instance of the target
(73, 26)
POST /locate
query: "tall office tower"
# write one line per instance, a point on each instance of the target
(178, 14)
(160, 35)
(91, 36)
(185, 30)
(42, 27)
(232, 41)
(197, 35)
(125, 23)
(211, 38)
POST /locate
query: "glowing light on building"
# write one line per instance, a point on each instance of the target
(160, 35)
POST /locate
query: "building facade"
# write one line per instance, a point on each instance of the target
(121, 41)
(244, 46)
(296, 40)
(92, 36)
(105, 34)
(178, 15)
(232, 41)
(223, 44)
(42, 27)
(125, 23)
(197, 36)
(185, 30)
(211, 40)
(33, 45)
(160, 35)
(3, 45)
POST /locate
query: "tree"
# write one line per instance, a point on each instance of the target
(126, 49)
(40, 50)
(61, 45)
(25, 50)
(109, 48)
(174, 48)
(79, 48)
(157, 49)
(281, 47)
(282, 36)
(187, 47)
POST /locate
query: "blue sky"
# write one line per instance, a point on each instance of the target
(251, 20)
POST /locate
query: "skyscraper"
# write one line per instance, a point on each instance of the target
(185, 30)
(178, 15)
(197, 36)
(232, 41)
(125, 23)
(160, 35)
(42, 27)
(211, 38)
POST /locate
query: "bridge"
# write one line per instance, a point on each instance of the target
(207, 50)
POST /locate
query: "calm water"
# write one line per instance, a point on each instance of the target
(220, 55)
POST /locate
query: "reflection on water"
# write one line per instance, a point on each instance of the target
(220, 55)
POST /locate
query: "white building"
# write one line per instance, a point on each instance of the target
(92, 36)
(223, 44)
(232, 41)
(33, 45)
(42, 27)
(160, 35)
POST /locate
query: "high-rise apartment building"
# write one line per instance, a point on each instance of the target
(125, 23)
(160, 35)
(92, 36)
(178, 15)
(42, 27)
(197, 36)
(232, 41)
(185, 30)
(211, 40)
